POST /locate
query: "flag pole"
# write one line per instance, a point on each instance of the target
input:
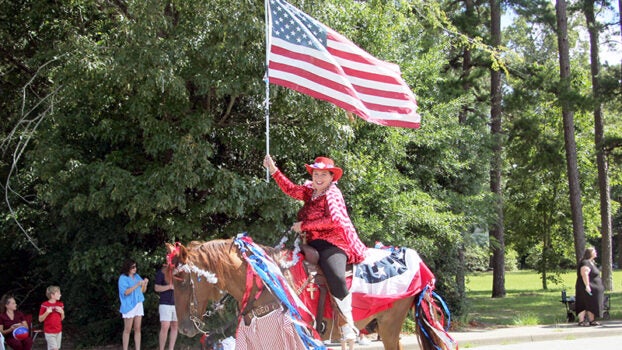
(267, 81)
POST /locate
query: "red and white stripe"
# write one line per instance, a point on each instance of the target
(275, 330)
(346, 76)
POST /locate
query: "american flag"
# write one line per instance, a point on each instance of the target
(307, 56)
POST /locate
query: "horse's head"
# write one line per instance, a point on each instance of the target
(191, 293)
(198, 279)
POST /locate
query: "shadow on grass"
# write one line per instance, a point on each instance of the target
(525, 303)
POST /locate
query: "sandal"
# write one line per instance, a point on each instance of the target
(584, 324)
(594, 323)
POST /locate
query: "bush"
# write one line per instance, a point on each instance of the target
(476, 258)
(511, 260)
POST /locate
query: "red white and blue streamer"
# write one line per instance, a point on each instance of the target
(269, 272)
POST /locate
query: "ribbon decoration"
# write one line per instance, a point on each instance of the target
(274, 280)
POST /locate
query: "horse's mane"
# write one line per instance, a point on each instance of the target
(216, 256)
(222, 258)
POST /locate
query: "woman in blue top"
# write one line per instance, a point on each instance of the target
(131, 289)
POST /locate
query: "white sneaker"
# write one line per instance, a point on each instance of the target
(364, 341)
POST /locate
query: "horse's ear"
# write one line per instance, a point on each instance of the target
(169, 248)
(183, 254)
(177, 253)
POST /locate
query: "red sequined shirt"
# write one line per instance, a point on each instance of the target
(324, 217)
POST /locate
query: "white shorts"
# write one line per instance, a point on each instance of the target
(136, 311)
(167, 313)
(53, 340)
(228, 343)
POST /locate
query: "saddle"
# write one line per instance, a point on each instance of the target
(387, 274)
(316, 277)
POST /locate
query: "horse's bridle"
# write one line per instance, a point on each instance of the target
(194, 313)
(194, 308)
(194, 302)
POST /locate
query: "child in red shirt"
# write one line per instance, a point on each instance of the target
(52, 313)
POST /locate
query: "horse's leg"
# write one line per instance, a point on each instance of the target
(390, 323)
(347, 344)
(389, 333)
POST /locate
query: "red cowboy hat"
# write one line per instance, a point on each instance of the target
(323, 163)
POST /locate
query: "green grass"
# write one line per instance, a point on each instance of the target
(526, 303)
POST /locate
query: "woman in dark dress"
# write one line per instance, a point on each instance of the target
(589, 290)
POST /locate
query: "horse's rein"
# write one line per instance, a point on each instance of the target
(210, 277)
(209, 312)
(198, 322)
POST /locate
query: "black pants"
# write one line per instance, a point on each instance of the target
(333, 262)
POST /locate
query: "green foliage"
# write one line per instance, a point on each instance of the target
(477, 255)
(537, 206)
(526, 319)
(153, 138)
(511, 260)
(131, 124)
(477, 258)
(409, 325)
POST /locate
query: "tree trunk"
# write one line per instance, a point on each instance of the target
(601, 157)
(462, 118)
(545, 259)
(461, 273)
(620, 80)
(466, 66)
(569, 131)
(496, 164)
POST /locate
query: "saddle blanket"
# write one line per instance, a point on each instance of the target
(386, 275)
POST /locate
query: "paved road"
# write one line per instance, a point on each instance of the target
(600, 343)
(608, 336)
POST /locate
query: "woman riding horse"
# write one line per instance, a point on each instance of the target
(324, 222)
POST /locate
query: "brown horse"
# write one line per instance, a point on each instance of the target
(205, 271)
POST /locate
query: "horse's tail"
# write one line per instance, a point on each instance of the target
(433, 321)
